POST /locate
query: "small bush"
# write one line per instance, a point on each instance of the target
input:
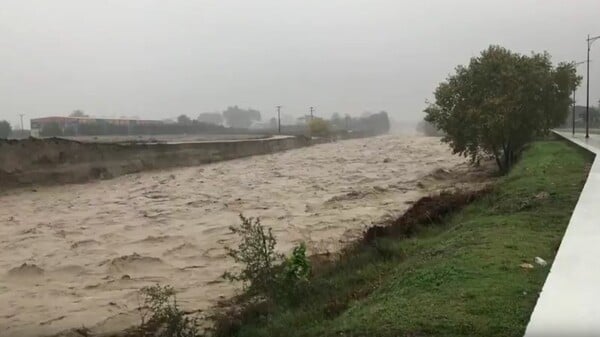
(256, 252)
(297, 267)
(293, 275)
(261, 273)
(161, 317)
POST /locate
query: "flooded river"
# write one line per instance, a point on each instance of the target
(76, 255)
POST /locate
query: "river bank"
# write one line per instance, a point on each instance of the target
(90, 247)
(476, 273)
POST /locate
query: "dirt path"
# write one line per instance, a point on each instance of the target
(89, 248)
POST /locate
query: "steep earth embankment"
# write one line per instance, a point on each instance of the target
(60, 161)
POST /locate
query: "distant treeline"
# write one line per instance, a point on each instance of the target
(238, 121)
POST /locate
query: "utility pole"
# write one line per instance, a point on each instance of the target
(21, 115)
(598, 111)
(575, 64)
(587, 101)
(573, 113)
(279, 118)
(311, 113)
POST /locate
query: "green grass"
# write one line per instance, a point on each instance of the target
(460, 278)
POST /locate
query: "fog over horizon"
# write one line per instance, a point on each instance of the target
(159, 59)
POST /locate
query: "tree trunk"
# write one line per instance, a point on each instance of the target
(499, 162)
(505, 160)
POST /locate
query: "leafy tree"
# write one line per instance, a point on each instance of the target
(240, 118)
(319, 127)
(78, 113)
(5, 129)
(500, 102)
(379, 122)
(211, 118)
(51, 130)
(184, 119)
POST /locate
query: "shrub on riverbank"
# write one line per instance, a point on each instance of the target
(161, 316)
(459, 278)
(264, 272)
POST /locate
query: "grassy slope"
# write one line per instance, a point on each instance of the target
(458, 279)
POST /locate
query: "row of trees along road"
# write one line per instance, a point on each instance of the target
(501, 101)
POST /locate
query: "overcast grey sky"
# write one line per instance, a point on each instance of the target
(158, 59)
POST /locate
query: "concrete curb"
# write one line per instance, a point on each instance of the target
(569, 302)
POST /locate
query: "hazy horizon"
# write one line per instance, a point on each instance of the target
(158, 59)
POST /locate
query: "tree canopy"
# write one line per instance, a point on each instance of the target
(78, 113)
(319, 127)
(184, 119)
(5, 129)
(500, 102)
(240, 118)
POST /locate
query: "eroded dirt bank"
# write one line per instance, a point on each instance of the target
(60, 161)
(89, 248)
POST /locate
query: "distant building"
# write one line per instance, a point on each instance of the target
(37, 124)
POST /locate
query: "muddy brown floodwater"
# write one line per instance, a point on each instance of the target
(76, 255)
